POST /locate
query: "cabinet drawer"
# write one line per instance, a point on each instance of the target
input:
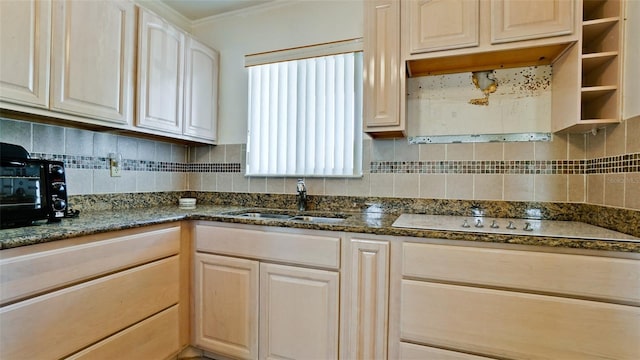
(153, 338)
(59, 323)
(28, 271)
(517, 325)
(418, 352)
(579, 275)
(290, 247)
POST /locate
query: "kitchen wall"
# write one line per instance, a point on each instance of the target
(601, 169)
(148, 165)
(547, 171)
(281, 25)
(572, 168)
(447, 104)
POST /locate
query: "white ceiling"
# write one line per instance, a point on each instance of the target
(198, 9)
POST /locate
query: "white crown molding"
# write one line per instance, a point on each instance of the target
(245, 11)
(166, 12)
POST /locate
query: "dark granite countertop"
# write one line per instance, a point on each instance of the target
(379, 223)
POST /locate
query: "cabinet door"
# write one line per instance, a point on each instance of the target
(226, 305)
(382, 68)
(530, 19)
(442, 24)
(366, 294)
(201, 91)
(24, 60)
(298, 313)
(160, 74)
(92, 59)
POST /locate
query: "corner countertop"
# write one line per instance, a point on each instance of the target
(378, 223)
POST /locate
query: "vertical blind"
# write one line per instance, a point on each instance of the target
(305, 117)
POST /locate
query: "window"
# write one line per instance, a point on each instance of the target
(305, 115)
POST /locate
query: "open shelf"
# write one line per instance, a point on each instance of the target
(601, 35)
(599, 9)
(593, 28)
(591, 97)
(601, 46)
(592, 92)
(592, 61)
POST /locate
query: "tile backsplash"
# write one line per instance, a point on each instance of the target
(600, 169)
(148, 165)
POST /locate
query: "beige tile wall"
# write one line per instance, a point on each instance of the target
(444, 186)
(619, 190)
(49, 139)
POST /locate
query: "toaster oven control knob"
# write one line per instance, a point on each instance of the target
(59, 205)
(59, 187)
(57, 169)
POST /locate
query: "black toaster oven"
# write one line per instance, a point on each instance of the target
(30, 189)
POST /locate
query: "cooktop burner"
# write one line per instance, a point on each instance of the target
(549, 228)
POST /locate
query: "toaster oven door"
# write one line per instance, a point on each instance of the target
(22, 192)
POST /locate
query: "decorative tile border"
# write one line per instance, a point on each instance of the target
(102, 163)
(480, 167)
(627, 163)
(215, 167)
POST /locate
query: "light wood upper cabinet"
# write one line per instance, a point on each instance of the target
(532, 19)
(445, 37)
(298, 313)
(201, 91)
(226, 305)
(443, 24)
(161, 54)
(93, 59)
(383, 74)
(177, 81)
(24, 61)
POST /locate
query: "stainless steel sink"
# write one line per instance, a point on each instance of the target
(260, 215)
(318, 219)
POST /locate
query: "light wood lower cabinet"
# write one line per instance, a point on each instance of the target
(252, 308)
(91, 297)
(516, 325)
(226, 305)
(59, 323)
(365, 298)
(509, 303)
(410, 351)
(298, 313)
(153, 338)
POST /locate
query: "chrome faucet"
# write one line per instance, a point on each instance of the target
(302, 195)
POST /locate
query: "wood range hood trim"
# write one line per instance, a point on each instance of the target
(490, 60)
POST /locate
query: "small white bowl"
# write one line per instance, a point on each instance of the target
(187, 203)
